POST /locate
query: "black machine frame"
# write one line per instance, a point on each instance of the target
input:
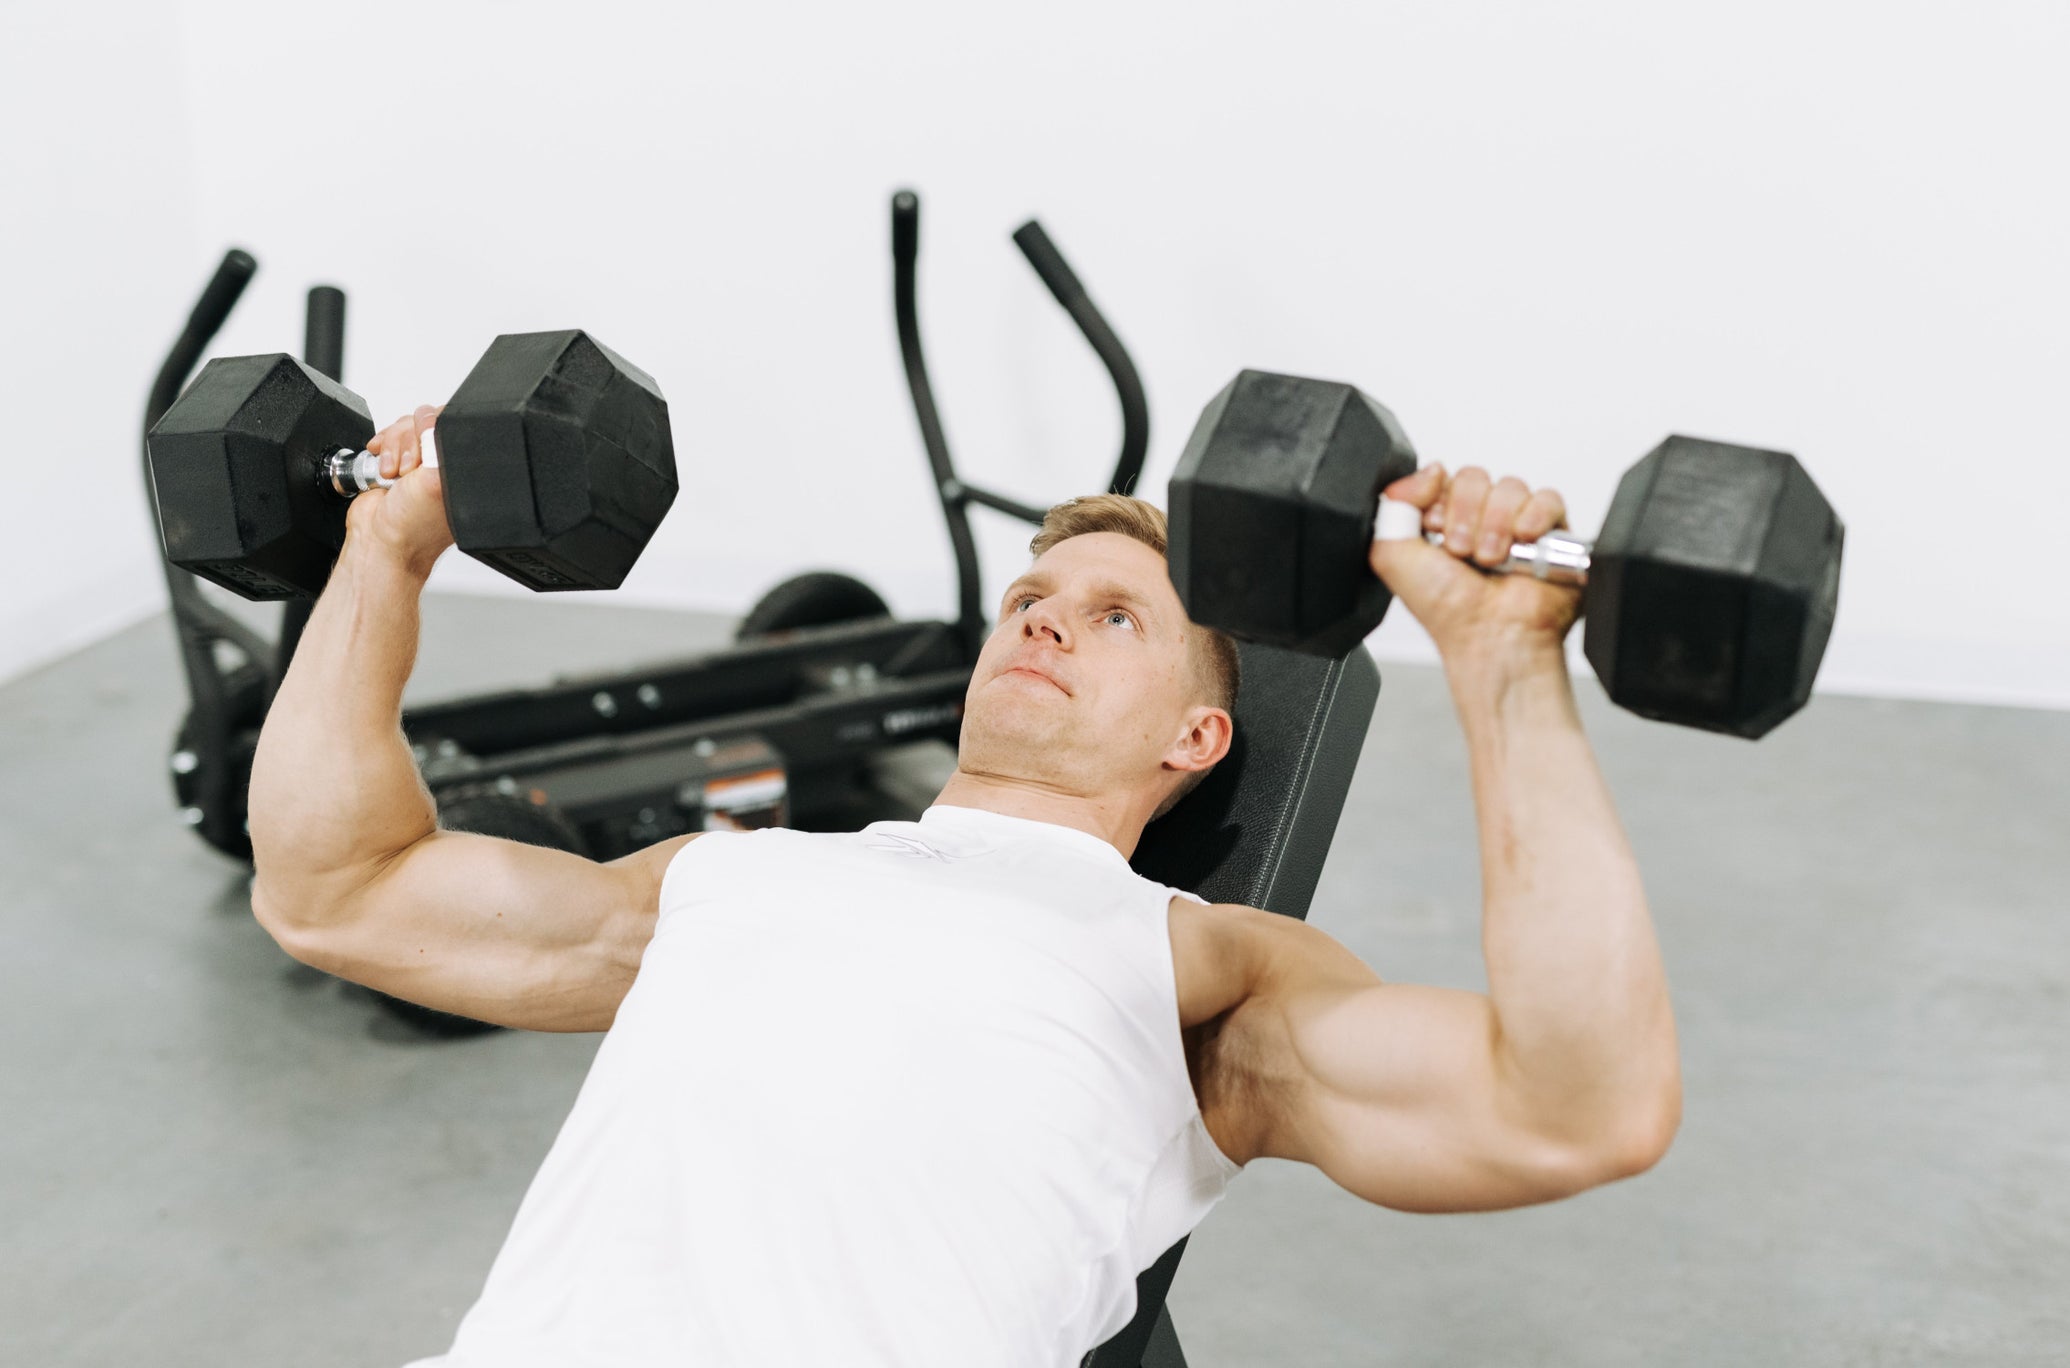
(613, 751)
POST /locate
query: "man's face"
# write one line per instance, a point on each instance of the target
(1087, 683)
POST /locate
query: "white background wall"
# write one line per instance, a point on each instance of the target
(1546, 236)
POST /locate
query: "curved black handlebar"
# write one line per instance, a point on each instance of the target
(1063, 283)
(956, 496)
(905, 226)
(905, 249)
(218, 297)
(199, 621)
(198, 624)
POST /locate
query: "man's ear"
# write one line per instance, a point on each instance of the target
(1205, 741)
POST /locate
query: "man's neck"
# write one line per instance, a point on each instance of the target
(1114, 818)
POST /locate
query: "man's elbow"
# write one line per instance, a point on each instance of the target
(308, 909)
(289, 921)
(1625, 1149)
(1646, 1140)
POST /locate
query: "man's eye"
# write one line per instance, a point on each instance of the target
(1113, 613)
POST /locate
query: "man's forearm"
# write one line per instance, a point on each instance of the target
(1574, 968)
(335, 792)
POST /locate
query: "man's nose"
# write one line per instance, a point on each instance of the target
(1041, 619)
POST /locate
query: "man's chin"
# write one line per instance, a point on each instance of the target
(1010, 726)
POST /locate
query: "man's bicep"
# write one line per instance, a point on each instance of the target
(1396, 1091)
(497, 930)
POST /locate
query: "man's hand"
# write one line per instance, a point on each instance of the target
(1457, 604)
(407, 522)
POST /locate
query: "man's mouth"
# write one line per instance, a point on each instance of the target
(1029, 670)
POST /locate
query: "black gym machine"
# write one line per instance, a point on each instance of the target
(786, 726)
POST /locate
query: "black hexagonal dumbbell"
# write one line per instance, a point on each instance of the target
(554, 454)
(1708, 598)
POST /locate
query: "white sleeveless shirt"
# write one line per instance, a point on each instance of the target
(913, 1096)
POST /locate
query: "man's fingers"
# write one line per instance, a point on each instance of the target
(1545, 511)
(1420, 489)
(387, 438)
(1498, 521)
(1464, 503)
(1477, 517)
(413, 448)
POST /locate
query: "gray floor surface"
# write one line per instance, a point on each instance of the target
(213, 1155)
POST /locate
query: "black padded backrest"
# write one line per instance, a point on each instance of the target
(1256, 832)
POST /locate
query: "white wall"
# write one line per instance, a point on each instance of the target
(1545, 236)
(97, 253)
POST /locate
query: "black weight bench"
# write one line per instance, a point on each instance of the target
(1255, 832)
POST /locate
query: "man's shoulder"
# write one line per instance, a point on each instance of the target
(1218, 953)
(1222, 954)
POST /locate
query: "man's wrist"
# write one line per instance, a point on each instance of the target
(1499, 652)
(377, 562)
(1492, 673)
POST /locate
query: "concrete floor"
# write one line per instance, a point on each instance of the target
(213, 1155)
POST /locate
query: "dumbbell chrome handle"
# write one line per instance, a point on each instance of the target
(352, 472)
(1560, 557)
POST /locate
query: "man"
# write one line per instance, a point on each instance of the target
(935, 1092)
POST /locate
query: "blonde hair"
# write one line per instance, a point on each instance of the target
(1216, 669)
